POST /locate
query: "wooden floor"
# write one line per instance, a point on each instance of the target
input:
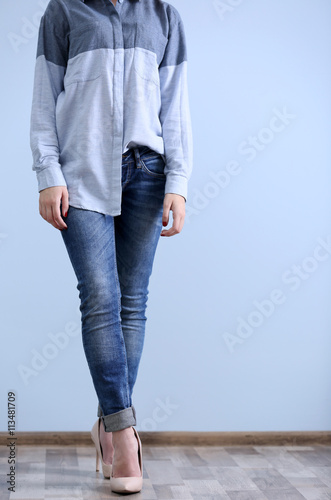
(176, 472)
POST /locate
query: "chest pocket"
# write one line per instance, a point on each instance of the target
(149, 46)
(85, 56)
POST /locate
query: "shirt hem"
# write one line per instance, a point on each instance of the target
(102, 211)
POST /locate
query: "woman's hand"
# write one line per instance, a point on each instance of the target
(176, 203)
(49, 205)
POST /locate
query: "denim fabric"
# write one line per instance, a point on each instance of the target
(112, 257)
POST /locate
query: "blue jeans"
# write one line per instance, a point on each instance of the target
(112, 257)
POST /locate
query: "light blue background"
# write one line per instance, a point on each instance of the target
(239, 243)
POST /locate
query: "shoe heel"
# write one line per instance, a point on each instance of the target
(97, 468)
(95, 435)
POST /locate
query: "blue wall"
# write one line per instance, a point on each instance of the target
(239, 317)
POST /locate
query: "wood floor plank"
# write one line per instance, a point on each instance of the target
(306, 482)
(312, 458)
(315, 493)
(195, 473)
(283, 460)
(288, 494)
(242, 450)
(181, 493)
(215, 456)
(163, 491)
(162, 472)
(30, 487)
(202, 488)
(324, 473)
(268, 479)
(194, 458)
(246, 495)
(251, 461)
(233, 478)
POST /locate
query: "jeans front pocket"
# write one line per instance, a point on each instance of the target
(153, 164)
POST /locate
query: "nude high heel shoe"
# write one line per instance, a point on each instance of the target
(95, 435)
(129, 484)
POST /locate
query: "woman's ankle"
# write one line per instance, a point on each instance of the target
(125, 453)
(123, 434)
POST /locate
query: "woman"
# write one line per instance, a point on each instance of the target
(112, 149)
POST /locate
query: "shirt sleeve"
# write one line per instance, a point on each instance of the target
(175, 111)
(50, 66)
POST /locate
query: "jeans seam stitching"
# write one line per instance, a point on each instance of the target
(118, 288)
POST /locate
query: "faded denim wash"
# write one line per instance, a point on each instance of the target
(113, 259)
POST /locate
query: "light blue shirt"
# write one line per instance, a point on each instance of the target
(107, 79)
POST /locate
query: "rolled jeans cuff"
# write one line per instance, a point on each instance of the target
(119, 420)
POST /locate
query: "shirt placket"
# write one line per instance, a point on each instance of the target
(118, 101)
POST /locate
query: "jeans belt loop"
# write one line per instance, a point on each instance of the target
(137, 156)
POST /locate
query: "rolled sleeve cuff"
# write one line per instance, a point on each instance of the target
(176, 184)
(50, 177)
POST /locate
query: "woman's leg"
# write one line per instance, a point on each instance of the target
(105, 250)
(137, 232)
(90, 242)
